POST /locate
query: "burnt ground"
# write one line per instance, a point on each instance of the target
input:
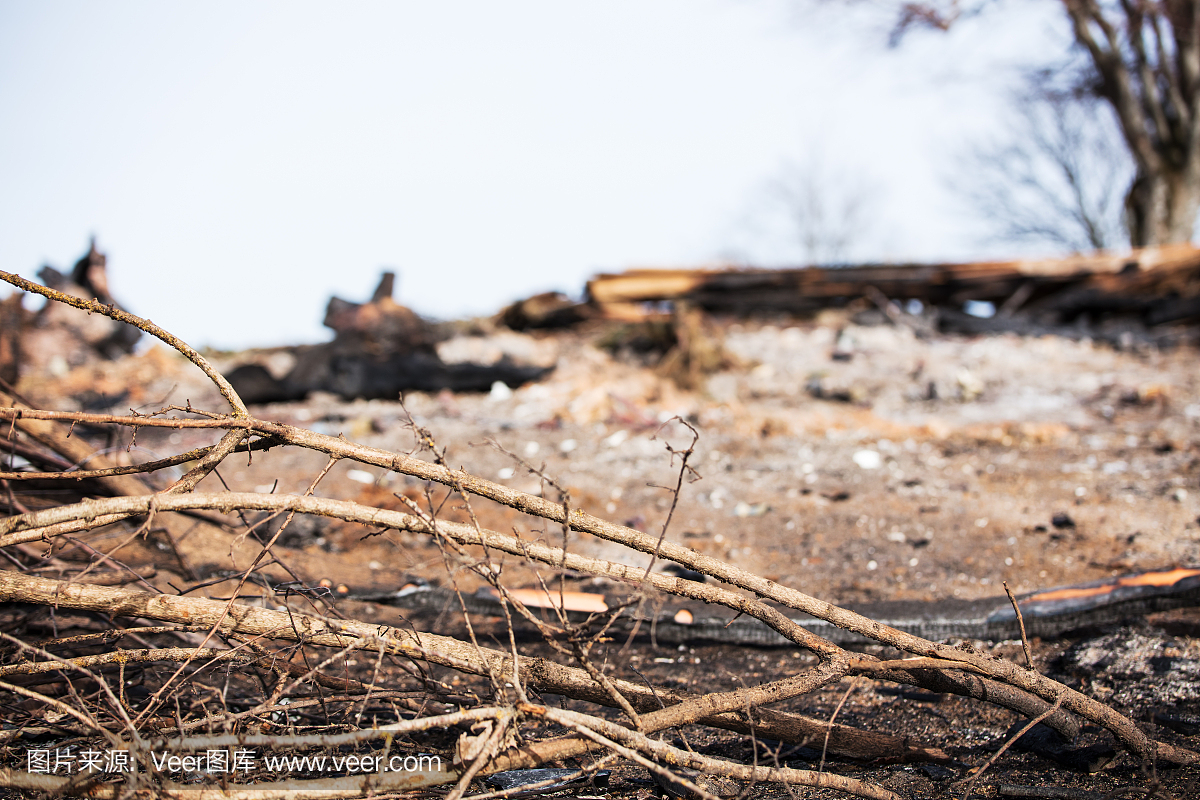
(855, 463)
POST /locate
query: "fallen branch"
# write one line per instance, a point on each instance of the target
(96, 307)
(938, 667)
(716, 710)
(710, 766)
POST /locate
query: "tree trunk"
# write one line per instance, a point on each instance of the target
(1146, 57)
(1161, 207)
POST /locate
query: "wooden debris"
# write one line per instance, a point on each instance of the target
(381, 349)
(1160, 284)
(382, 326)
(13, 319)
(683, 346)
(699, 349)
(57, 336)
(546, 310)
(88, 280)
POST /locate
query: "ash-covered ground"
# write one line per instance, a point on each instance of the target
(852, 462)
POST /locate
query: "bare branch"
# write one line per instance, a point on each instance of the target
(96, 307)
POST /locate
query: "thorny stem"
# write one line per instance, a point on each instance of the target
(684, 469)
(712, 766)
(1020, 621)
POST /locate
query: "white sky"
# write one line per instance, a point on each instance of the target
(241, 161)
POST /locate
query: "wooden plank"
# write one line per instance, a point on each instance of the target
(646, 285)
(1147, 270)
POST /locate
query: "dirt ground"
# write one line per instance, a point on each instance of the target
(853, 462)
(939, 477)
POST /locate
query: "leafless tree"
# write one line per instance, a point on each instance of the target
(1143, 59)
(817, 212)
(1056, 177)
(827, 212)
(1147, 60)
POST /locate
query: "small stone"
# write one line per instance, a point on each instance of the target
(868, 459)
(617, 439)
(969, 386)
(1062, 520)
(744, 509)
(360, 476)
(937, 772)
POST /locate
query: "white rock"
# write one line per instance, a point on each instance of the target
(617, 439)
(744, 509)
(868, 459)
(969, 386)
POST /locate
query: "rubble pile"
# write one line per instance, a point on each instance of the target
(57, 338)
(1139, 291)
(380, 349)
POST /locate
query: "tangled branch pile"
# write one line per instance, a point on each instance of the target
(274, 666)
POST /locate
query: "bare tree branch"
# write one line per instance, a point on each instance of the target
(94, 306)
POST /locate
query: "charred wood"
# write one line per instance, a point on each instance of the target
(381, 349)
(88, 280)
(1154, 285)
(546, 310)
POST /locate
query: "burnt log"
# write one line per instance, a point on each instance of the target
(256, 385)
(1119, 332)
(382, 326)
(546, 310)
(1059, 290)
(13, 319)
(380, 350)
(89, 280)
(60, 337)
(1173, 309)
(329, 368)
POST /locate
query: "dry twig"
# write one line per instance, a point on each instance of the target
(509, 674)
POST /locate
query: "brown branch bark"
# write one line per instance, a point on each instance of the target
(1047, 689)
(127, 657)
(720, 711)
(1006, 672)
(711, 766)
(96, 307)
(56, 436)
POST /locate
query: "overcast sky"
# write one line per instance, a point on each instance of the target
(240, 162)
